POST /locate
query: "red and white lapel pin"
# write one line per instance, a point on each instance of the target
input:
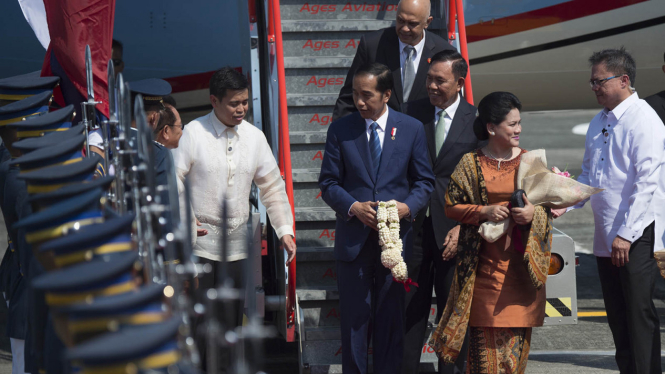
(392, 133)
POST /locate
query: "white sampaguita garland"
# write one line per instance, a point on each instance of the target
(389, 240)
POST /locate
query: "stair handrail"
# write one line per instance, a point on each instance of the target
(284, 155)
(456, 11)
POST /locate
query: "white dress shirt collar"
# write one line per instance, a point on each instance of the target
(219, 127)
(419, 49)
(620, 109)
(381, 121)
(450, 110)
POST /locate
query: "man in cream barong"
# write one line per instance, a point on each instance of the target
(222, 154)
(625, 152)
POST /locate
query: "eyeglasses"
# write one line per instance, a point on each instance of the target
(598, 82)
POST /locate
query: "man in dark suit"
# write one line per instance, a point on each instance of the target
(376, 154)
(405, 49)
(449, 131)
(657, 101)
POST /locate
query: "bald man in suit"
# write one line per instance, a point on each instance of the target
(405, 49)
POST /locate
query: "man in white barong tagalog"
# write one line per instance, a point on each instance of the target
(222, 154)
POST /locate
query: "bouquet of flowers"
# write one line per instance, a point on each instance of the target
(546, 187)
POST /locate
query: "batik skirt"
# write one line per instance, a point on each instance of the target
(498, 350)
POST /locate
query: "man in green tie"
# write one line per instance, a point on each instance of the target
(449, 131)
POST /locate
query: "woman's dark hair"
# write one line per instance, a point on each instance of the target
(384, 78)
(494, 108)
(227, 78)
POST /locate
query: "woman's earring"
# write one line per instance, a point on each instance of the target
(491, 132)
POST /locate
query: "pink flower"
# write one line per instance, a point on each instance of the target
(564, 173)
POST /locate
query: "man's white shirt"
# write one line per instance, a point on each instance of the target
(221, 162)
(625, 155)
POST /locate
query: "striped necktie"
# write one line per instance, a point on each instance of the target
(375, 147)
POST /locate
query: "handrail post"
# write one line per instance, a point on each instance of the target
(285, 159)
(452, 13)
(468, 92)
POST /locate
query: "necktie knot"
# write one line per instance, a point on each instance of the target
(374, 126)
(409, 50)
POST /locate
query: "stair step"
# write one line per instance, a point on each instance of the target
(317, 294)
(316, 274)
(321, 44)
(334, 25)
(315, 118)
(315, 234)
(321, 99)
(306, 294)
(325, 356)
(334, 9)
(307, 156)
(308, 195)
(312, 254)
(315, 81)
(323, 333)
(310, 62)
(337, 25)
(308, 137)
(305, 175)
(315, 214)
(326, 313)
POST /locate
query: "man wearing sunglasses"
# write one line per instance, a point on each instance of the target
(624, 155)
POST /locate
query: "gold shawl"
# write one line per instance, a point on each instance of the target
(467, 186)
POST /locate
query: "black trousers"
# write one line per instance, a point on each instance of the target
(631, 313)
(427, 268)
(233, 317)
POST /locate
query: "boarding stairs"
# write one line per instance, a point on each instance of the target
(320, 39)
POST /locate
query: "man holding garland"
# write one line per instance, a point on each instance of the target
(374, 155)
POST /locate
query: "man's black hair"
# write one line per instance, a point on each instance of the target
(617, 61)
(460, 67)
(166, 118)
(384, 77)
(117, 45)
(227, 78)
(169, 100)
